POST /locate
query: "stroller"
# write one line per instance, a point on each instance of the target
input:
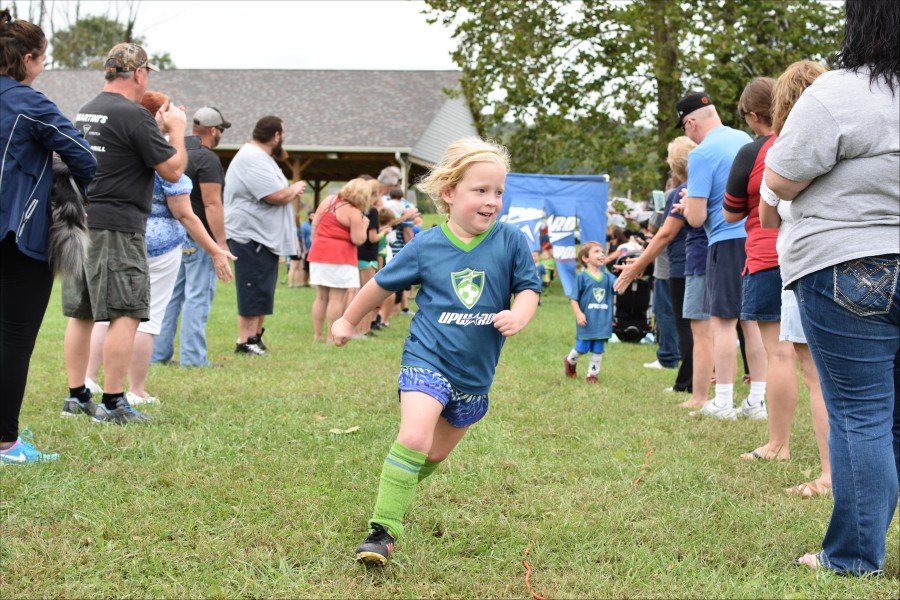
(631, 320)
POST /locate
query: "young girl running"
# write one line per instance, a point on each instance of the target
(592, 302)
(467, 269)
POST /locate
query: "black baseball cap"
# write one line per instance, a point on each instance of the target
(689, 104)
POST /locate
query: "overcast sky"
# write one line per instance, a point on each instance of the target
(336, 34)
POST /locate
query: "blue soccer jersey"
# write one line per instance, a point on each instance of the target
(595, 298)
(462, 287)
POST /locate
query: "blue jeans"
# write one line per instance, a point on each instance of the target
(851, 318)
(667, 353)
(194, 291)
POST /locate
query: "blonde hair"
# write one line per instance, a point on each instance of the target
(458, 157)
(585, 250)
(796, 78)
(374, 187)
(356, 192)
(678, 151)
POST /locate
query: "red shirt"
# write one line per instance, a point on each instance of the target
(742, 196)
(332, 244)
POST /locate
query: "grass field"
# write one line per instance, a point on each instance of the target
(241, 489)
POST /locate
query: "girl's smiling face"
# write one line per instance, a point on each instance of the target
(476, 200)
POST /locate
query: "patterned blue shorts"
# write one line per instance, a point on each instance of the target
(460, 409)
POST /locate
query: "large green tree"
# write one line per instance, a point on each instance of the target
(591, 86)
(85, 44)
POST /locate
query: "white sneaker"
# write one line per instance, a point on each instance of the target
(134, 399)
(92, 385)
(728, 413)
(656, 365)
(614, 339)
(758, 412)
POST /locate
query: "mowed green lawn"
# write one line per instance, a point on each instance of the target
(241, 489)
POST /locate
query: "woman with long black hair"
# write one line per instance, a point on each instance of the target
(31, 129)
(838, 160)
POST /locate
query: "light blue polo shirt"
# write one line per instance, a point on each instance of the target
(708, 168)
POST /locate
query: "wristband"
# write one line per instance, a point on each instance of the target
(767, 195)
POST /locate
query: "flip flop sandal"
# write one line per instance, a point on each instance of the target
(809, 490)
(816, 561)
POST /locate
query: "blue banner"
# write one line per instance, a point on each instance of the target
(525, 211)
(561, 223)
(592, 214)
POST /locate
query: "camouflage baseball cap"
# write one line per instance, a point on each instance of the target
(126, 58)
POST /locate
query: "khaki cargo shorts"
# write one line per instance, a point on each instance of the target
(116, 280)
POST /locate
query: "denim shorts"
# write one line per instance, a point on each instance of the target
(460, 409)
(694, 293)
(724, 265)
(116, 280)
(585, 346)
(791, 327)
(761, 296)
(255, 276)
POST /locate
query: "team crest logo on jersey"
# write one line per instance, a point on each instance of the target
(599, 294)
(468, 285)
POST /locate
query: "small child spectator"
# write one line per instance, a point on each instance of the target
(549, 267)
(592, 301)
(541, 270)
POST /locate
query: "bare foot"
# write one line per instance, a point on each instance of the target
(766, 453)
(692, 404)
(319, 340)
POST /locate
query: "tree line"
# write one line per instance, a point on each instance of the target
(591, 86)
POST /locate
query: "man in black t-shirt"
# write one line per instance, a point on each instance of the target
(196, 283)
(129, 146)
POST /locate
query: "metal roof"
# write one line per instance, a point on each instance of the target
(370, 112)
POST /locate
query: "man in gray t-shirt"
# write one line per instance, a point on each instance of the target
(259, 226)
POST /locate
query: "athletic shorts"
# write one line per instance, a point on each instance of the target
(593, 346)
(791, 327)
(761, 296)
(367, 264)
(694, 294)
(255, 276)
(333, 275)
(460, 409)
(724, 265)
(116, 280)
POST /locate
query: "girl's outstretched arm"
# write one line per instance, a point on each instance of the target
(368, 298)
(512, 321)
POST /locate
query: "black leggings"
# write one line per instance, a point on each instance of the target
(25, 285)
(684, 381)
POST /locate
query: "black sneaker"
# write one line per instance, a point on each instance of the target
(122, 414)
(257, 339)
(249, 349)
(377, 548)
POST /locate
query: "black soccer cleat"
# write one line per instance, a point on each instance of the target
(377, 548)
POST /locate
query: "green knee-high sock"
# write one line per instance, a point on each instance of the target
(399, 476)
(427, 469)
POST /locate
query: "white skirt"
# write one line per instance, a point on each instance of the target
(163, 275)
(334, 276)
